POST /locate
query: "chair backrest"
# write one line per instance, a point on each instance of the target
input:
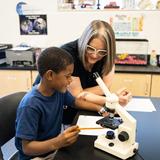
(8, 108)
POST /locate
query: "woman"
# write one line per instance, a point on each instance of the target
(94, 51)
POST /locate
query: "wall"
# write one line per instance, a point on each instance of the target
(66, 26)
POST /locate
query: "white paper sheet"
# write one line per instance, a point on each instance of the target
(20, 48)
(140, 105)
(90, 122)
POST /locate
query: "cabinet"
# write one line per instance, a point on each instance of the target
(155, 92)
(138, 84)
(14, 81)
(33, 76)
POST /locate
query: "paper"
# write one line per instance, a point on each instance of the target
(140, 105)
(90, 122)
(20, 48)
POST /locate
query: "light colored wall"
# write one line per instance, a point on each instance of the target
(66, 26)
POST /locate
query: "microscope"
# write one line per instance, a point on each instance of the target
(120, 138)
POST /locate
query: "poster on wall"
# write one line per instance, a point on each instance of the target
(127, 26)
(33, 24)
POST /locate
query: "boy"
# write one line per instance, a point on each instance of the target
(39, 115)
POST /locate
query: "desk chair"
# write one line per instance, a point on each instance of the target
(8, 107)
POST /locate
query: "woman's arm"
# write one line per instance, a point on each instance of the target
(89, 105)
(76, 88)
(88, 96)
(95, 94)
(92, 94)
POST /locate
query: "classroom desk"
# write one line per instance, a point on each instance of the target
(148, 137)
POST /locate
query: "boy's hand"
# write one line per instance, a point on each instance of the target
(68, 137)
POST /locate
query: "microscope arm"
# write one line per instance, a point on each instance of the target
(102, 84)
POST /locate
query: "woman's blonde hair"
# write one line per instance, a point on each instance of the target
(99, 29)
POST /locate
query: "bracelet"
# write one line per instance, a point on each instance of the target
(101, 111)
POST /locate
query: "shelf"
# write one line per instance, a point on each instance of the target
(89, 5)
(104, 10)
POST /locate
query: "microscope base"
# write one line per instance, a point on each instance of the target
(115, 147)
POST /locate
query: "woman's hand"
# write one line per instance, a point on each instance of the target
(124, 96)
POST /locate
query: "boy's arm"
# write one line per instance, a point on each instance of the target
(64, 139)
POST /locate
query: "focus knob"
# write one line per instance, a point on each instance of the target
(123, 136)
(110, 135)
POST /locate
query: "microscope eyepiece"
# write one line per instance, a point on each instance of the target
(96, 75)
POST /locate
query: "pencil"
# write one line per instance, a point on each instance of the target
(90, 128)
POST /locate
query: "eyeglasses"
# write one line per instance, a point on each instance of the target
(99, 52)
